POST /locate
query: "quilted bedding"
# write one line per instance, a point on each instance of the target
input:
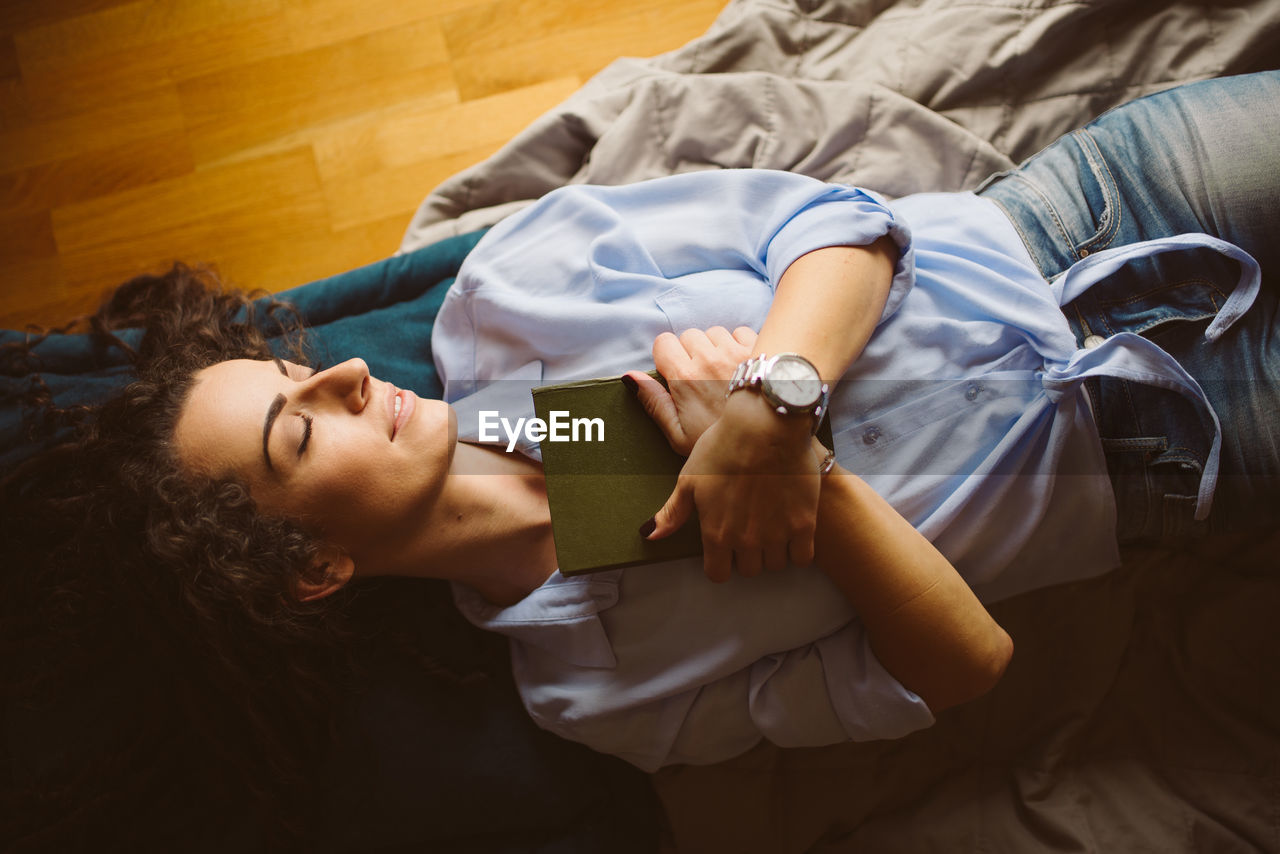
(1142, 710)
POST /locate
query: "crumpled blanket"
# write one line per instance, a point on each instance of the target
(899, 97)
(1142, 709)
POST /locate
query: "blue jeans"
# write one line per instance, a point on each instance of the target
(1199, 158)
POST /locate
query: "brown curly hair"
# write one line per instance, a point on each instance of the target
(125, 576)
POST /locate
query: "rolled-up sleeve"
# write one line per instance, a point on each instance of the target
(827, 692)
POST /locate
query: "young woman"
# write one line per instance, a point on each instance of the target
(965, 438)
(1048, 361)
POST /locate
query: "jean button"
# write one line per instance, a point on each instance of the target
(1093, 341)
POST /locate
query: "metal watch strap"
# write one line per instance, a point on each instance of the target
(751, 372)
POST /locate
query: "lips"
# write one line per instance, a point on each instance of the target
(402, 403)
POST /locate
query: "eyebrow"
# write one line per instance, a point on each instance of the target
(273, 411)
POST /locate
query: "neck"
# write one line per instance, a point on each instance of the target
(490, 528)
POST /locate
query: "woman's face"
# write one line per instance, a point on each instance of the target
(351, 457)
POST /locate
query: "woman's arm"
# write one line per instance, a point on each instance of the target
(923, 622)
(826, 305)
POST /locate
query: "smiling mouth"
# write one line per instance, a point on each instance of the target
(402, 409)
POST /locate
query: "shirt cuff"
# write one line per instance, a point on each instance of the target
(869, 701)
(852, 218)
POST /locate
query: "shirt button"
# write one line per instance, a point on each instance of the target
(1093, 341)
(971, 393)
(870, 435)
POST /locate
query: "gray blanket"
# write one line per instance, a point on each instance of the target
(1142, 710)
(900, 97)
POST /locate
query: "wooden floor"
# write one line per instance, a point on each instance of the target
(282, 140)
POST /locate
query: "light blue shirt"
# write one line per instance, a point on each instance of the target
(965, 411)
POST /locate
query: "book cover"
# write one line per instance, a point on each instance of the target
(609, 468)
(604, 483)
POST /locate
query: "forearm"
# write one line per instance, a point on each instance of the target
(825, 307)
(924, 623)
(827, 304)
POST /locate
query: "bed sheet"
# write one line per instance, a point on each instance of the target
(1142, 708)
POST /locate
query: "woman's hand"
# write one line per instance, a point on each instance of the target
(752, 474)
(697, 367)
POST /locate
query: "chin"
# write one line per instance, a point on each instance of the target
(453, 431)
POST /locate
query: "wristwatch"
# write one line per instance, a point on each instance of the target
(788, 381)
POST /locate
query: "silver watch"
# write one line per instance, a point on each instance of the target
(788, 381)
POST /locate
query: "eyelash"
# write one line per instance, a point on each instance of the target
(306, 434)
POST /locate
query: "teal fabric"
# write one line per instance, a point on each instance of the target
(382, 312)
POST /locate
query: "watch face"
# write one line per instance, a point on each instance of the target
(794, 382)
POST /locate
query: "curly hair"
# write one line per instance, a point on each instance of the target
(124, 575)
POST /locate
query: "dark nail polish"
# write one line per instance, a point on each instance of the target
(631, 384)
(648, 527)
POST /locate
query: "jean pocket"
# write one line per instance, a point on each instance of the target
(1102, 195)
(1174, 478)
(1155, 488)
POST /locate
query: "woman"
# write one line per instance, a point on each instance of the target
(962, 401)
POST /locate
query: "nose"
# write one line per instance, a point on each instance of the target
(347, 382)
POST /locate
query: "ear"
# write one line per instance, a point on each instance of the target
(333, 569)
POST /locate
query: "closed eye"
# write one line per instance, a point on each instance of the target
(306, 434)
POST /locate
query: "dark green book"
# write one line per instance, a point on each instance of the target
(602, 488)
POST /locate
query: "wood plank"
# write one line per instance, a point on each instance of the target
(317, 23)
(32, 292)
(395, 191)
(418, 131)
(58, 86)
(277, 194)
(497, 24)
(15, 111)
(253, 104)
(140, 116)
(135, 26)
(61, 83)
(275, 266)
(9, 69)
(573, 51)
(24, 14)
(96, 173)
(26, 236)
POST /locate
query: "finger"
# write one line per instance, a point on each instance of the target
(672, 516)
(697, 345)
(748, 562)
(717, 562)
(720, 337)
(775, 557)
(728, 351)
(800, 550)
(745, 335)
(660, 407)
(670, 357)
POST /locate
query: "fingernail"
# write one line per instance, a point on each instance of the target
(631, 384)
(648, 527)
